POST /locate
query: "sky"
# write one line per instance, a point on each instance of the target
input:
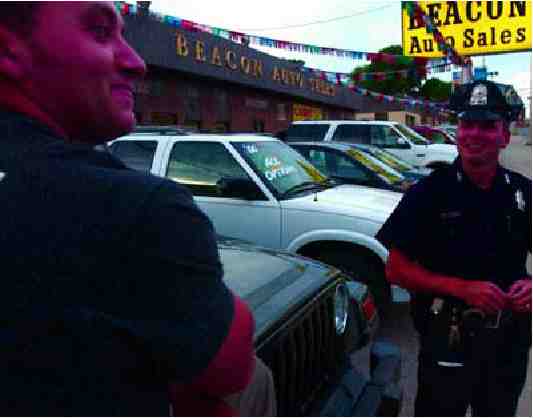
(373, 25)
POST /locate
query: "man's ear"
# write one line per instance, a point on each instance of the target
(506, 134)
(14, 56)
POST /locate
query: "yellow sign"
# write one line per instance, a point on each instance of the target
(302, 112)
(470, 27)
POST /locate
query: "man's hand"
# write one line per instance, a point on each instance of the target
(484, 295)
(519, 296)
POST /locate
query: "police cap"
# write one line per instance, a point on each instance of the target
(486, 100)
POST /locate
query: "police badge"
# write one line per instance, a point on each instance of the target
(478, 96)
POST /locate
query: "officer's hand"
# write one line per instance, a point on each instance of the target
(484, 295)
(519, 296)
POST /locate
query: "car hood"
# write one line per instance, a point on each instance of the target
(271, 281)
(349, 200)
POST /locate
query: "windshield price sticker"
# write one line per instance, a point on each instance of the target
(391, 161)
(272, 162)
(251, 149)
(275, 168)
(359, 156)
(279, 172)
(312, 171)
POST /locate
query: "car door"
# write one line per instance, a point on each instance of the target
(199, 165)
(386, 137)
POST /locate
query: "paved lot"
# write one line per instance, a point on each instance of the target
(400, 330)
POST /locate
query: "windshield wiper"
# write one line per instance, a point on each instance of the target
(302, 187)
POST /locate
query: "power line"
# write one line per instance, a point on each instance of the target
(319, 22)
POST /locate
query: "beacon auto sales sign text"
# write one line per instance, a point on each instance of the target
(470, 27)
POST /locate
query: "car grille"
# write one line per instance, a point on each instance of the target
(304, 355)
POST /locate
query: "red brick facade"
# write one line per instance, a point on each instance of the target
(169, 97)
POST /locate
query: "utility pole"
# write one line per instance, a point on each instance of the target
(466, 71)
(528, 139)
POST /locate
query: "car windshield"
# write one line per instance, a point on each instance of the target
(439, 138)
(411, 135)
(385, 172)
(280, 166)
(390, 159)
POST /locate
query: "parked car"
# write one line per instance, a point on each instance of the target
(434, 135)
(259, 189)
(349, 165)
(407, 170)
(394, 137)
(309, 318)
(450, 129)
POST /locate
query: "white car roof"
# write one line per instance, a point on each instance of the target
(200, 137)
(346, 122)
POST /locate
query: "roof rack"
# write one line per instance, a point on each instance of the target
(161, 130)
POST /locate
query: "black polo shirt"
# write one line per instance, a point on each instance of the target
(111, 281)
(450, 226)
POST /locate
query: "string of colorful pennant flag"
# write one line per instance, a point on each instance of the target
(405, 101)
(345, 78)
(415, 11)
(239, 37)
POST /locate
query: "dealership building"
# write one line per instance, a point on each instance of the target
(204, 82)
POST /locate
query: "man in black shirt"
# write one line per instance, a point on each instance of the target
(111, 291)
(458, 242)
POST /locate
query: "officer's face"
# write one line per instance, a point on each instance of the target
(81, 71)
(480, 142)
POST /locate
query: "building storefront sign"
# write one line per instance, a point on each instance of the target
(303, 112)
(228, 58)
(470, 27)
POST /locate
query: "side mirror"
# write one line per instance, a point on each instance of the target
(238, 188)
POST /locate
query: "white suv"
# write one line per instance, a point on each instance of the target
(259, 189)
(395, 137)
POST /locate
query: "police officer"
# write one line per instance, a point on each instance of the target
(458, 242)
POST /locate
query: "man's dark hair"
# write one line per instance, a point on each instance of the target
(19, 16)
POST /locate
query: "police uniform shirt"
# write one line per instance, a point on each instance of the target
(450, 226)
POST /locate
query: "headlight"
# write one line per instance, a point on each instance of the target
(341, 308)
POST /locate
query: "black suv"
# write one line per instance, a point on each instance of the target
(309, 318)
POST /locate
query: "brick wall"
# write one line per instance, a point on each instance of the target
(169, 97)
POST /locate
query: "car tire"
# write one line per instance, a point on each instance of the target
(364, 269)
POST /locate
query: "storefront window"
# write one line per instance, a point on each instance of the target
(221, 127)
(259, 125)
(193, 125)
(282, 111)
(156, 88)
(221, 105)
(162, 118)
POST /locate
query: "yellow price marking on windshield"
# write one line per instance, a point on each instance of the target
(363, 159)
(312, 171)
